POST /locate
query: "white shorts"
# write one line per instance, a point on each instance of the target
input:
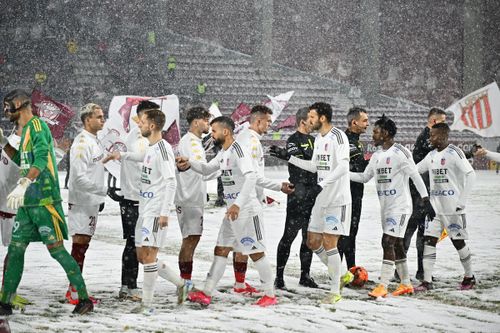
(335, 220)
(6, 229)
(455, 225)
(245, 234)
(395, 224)
(149, 233)
(190, 220)
(82, 220)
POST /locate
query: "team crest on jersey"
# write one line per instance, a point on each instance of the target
(148, 159)
(443, 161)
(326, 146)
(388, 160)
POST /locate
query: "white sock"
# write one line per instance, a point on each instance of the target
(169, 274)
(215, 274)
(334, 263)
(321, 253)
(148, 286)
(429, 260)
(402, 268)
(466, 260)
(263, 266)
(387, 272)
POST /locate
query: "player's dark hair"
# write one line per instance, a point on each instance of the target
(434, 111)
(354, 114)
(225, 121)
(301, 115)
(259, 111)
(387, 124)
(323, 109)
(156, 116)
(146, 105)
(17, 94)
(442, 127)
(198, 112)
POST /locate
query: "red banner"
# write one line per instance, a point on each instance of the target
(57, 115)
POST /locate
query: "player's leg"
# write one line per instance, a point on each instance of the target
(457, 229)
(147, 257)
(432, 233)
(191, 225)
(82, 222)
(130, 265)
(305, 255)
(50, 219)
(315, 234)
(292, 227)
(347, 244)
(225, 242)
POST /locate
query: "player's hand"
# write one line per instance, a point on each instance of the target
(101, 207)
(428, 209)
(287, 188)
(16, 198)
(480, 152)
(3, 139)
(163, 222)
(460, 207)
(278, 152)
(182, 163)
(233, 212)
(115, 156)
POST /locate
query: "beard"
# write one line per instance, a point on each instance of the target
(218, 142)
(315, 126)
(146, 133)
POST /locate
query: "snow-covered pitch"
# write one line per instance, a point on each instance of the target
(444, 309)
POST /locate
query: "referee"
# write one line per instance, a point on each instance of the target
(299, 203)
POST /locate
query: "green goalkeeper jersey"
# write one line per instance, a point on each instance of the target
(37, 151)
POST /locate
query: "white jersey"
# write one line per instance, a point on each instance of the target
(158, 182)
(191, 186)
(250, 141)
(329, 151)
(130, 170)
(9, 174)
(447, 172)
(86, 177)
(237, 174)
(392, 169)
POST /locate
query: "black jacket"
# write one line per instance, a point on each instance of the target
(301, 146)
(357, 162)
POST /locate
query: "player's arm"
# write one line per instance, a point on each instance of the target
(197, 153)
(364, 177)
(424, 165)
(80, 157)
(470, 176)
(283, 154)
(166, 167)
(204, 168)
(409, 168)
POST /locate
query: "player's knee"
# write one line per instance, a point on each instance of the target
(388, 242)
(17, 248)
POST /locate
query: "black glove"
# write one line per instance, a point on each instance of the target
(278, 152)
(429, 210)
(113, 195)
(315, 190)
(101, 207)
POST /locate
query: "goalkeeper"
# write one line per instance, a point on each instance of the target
(37, 198)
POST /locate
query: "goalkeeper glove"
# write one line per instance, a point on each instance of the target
(278, 152)
(429, 210)
(16, 198)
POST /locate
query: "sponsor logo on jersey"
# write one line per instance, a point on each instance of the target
(98, 158)
(386, 193)
(232, 196)
(442, 193)
(247, 241)
(146, 195)
(384, 180)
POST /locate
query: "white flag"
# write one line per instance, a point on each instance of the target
(214, 111)
(278, 104)
(478, 112)
(122, 117)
